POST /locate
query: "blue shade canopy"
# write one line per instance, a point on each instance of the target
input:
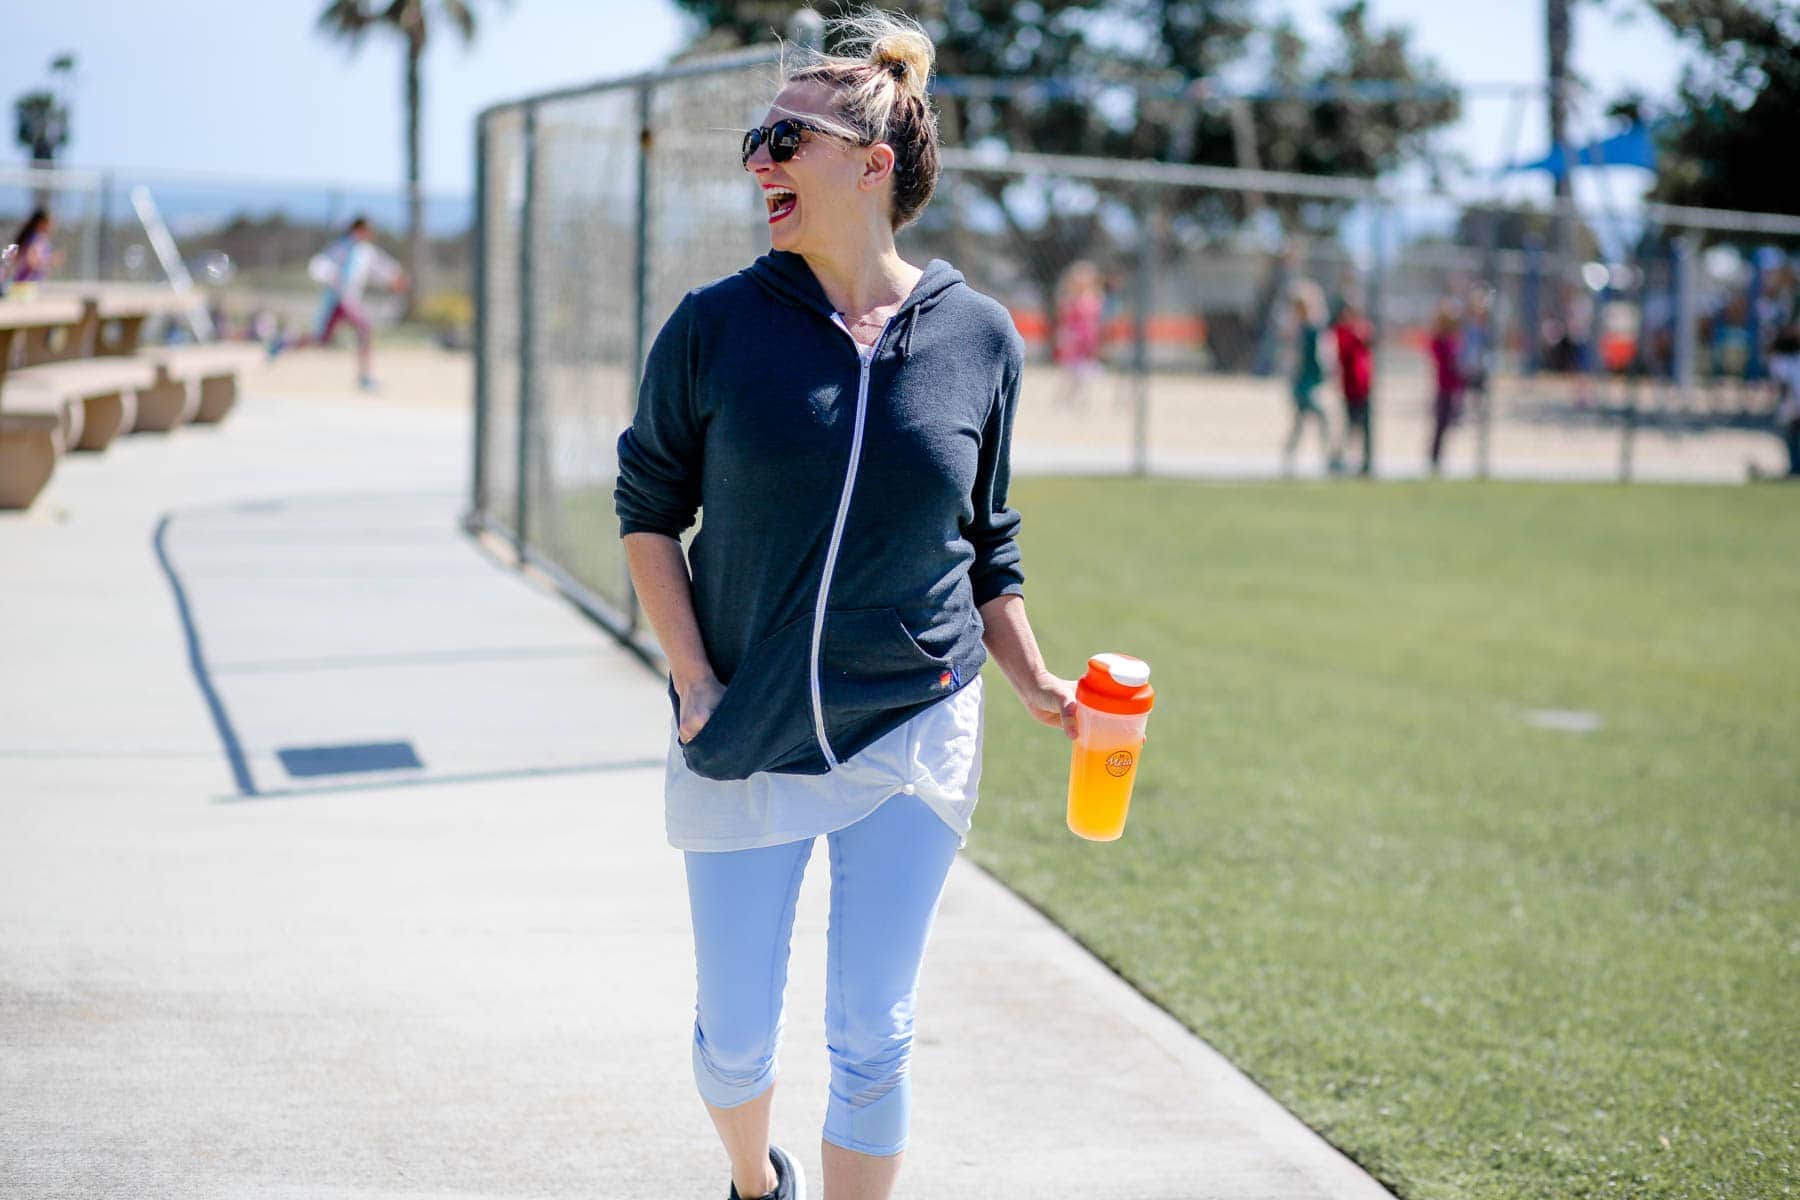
(1630, 147)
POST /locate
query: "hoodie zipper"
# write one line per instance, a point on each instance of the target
(865, 359)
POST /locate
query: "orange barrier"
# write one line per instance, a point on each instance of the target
(1162, 329)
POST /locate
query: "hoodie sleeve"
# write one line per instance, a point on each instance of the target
(994, 531)
(660, 454)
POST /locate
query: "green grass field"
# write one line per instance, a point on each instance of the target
(1485, 959)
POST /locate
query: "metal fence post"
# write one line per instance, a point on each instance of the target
(1687, 312)
(478, 484)
(1377, 314)
(521, 532)
(640, 300)
(1149, 215)
(1532, 303)
(1628, 431)
(103, 236)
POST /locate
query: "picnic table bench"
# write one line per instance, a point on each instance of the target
(32, 433)
(74, 374)
(192, 381)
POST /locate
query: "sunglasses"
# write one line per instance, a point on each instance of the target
(783, 138)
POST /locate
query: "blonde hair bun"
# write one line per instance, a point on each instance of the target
(908, 55)
(888, 41)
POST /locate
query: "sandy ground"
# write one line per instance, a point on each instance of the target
(1204, 425)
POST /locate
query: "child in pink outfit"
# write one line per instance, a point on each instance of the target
(1446, 349)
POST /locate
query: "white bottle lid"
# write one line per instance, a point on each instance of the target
(1125, 670)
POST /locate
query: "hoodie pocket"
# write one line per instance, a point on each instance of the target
(765, 715)
(871, 664)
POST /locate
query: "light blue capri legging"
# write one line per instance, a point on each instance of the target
(887, 873)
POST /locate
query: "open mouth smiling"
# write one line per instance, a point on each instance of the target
(781, 202)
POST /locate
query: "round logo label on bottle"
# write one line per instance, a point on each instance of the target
(1118, 763)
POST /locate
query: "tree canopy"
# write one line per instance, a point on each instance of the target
(1729, 142)
(1166, 62)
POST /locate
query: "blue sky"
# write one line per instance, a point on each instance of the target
(248, 89)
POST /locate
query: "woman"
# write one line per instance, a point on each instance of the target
(842, 416)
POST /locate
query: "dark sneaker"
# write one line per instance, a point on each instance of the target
(790, 1180)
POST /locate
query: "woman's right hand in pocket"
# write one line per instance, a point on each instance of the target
(698, 700)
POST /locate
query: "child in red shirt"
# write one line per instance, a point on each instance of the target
(1356, 370)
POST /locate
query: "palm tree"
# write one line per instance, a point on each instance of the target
(413, 20)
(1557, 23)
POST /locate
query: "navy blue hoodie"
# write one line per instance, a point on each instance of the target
(855, 510)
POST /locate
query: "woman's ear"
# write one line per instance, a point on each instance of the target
(878, 164)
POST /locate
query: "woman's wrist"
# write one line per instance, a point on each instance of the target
(688, 675)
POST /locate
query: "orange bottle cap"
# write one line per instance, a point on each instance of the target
(1117, 683)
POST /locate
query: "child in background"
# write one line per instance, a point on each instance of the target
(1309, 318)
(1356, 370)
(1081, 300)
(1446, 350)
(345, 269)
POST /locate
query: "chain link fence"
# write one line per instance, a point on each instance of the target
(599, 208)
(1158, 303)
(1638, 352)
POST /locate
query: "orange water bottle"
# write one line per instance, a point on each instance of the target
(1115, 698)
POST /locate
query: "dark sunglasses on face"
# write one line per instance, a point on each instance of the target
(783, 138)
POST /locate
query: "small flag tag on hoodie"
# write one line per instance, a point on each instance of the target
(949, 680)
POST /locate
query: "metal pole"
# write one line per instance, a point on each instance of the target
(1377, 314)
(1484, 419)
(1628, 435)
(640, 333)
(521, 533)
(1532, 304)
(1687, 315)
(641, 238)
(478, 487)
(1148, 213)
(103, 238)
(1489, 290)
(1558, 29)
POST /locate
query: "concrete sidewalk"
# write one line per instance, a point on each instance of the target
(235, 964)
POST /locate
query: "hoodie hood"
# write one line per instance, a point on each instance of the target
(786, 276)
